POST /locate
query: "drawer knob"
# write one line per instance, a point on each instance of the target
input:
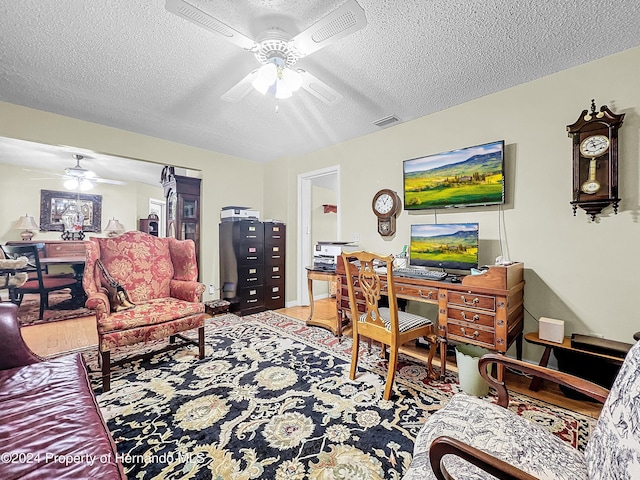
(472, 336)
(428, 295)
(472, 302)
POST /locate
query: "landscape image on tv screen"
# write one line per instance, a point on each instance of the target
(445, 245)
(470, 176)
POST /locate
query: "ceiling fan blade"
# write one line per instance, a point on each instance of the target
(240, 89)
(338, 24)
(204, 20)
(46, 173)
(106, 180)
(318, 88)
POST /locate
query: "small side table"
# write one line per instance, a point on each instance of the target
(325, 276)
(217, 307)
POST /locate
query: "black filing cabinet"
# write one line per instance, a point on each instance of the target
(252, 260)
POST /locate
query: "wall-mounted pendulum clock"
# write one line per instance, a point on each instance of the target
(595, 160)
(386, 205)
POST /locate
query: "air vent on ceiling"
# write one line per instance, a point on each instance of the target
(386, 121)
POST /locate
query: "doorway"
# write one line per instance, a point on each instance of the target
(327, 179)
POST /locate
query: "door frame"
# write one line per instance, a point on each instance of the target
(305, 250)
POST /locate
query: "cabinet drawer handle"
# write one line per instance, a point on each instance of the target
(475, 334)
(252, 279)
(252, 236)
(252, 258)
(252, 301)
(472, 302)
(275, 298)
(428, 295)
(275, 256)
(275, 277)
(475, 318)
(275, 236)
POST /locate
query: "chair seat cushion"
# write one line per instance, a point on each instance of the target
(49, 283)
(406, 321)
(152, 312)
(499, 432)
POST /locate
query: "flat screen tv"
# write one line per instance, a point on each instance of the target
(451, 246)
(471, 176)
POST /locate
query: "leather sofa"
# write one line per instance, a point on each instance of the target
(50, 423)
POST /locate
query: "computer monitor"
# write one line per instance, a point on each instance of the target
(450, 246)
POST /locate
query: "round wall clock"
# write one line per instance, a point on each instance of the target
(595, 160)
(386, 205)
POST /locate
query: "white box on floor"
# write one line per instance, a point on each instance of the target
(551, 329)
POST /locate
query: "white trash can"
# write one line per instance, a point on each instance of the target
(471, 381)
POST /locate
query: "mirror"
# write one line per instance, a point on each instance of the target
(70, 211)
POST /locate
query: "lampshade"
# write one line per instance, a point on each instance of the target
(114, 228)
(275, 78)
(73, 183)
(26, 223)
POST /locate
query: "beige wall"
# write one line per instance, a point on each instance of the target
(582, 272)
(226, 179)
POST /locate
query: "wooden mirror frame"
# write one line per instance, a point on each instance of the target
(48, 198)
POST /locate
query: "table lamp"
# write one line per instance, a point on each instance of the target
(114, 228)
(26, 223)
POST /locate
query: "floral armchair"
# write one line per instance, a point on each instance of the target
(160, 277)
(473, 439)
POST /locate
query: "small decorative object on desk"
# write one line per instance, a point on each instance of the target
(217, 307)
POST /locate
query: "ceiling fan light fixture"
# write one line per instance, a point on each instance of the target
(267, 76)
(74, 183)
(71, 183)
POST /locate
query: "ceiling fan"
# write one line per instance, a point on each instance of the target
(278, 52)
(77, 177)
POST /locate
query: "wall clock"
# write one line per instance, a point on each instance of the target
(386, 205)
(595, 160)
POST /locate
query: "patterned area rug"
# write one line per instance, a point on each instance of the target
(62, 306)
(272, 399)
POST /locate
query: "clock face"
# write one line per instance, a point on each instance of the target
(594, 146)
(384, 204)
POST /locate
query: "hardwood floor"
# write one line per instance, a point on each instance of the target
(70, 335)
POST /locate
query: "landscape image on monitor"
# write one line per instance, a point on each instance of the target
(468, 177)
(447, 245)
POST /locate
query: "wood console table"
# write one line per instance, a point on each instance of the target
(485, 310)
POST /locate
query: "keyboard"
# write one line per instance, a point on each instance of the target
(414, 272)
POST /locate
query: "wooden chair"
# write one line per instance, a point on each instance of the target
(474, 438)
(389, 326)
(39, 282)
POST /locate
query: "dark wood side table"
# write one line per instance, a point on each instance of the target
(532, 337)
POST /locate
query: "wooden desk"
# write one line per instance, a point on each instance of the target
(325, 276)
(532, 337)
(485, 310)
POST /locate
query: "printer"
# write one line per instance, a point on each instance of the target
(325, 254)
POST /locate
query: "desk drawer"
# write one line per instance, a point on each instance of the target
(74, 249)
(465, 332)
(470, 300)
(429, 294)
(471, 317)
(251, 297)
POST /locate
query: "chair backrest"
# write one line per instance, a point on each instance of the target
(32, 253)
(613, 451)
(361, 273)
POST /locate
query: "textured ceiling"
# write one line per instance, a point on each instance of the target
(133, 65)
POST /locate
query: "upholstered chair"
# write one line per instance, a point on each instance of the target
(472, 438)
(160, 277)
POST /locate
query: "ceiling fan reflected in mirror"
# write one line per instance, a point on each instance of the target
(278, 52)
(80, 178)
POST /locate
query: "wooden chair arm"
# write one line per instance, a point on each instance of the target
(500, 469)
(597, 392)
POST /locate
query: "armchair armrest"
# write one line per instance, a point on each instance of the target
(186, 290)
(444, 445)
(100, 303)
(14, 352)
(597, 392)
